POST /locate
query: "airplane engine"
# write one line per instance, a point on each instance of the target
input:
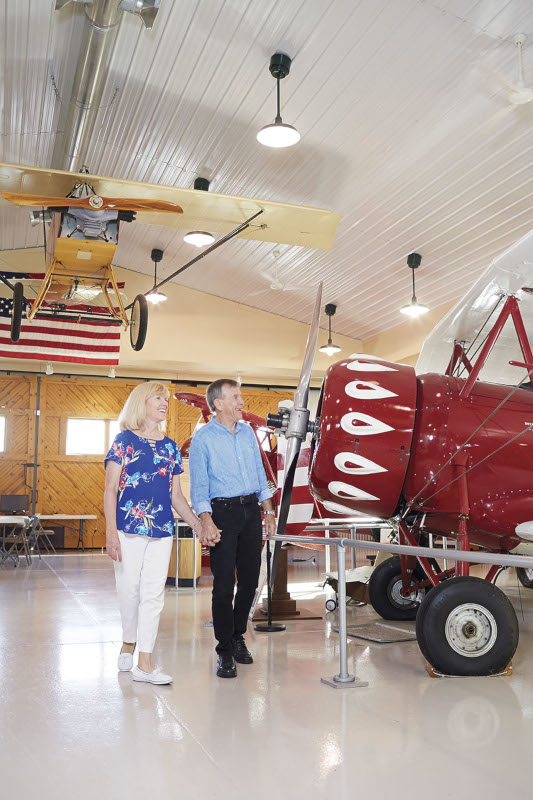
(362, 443)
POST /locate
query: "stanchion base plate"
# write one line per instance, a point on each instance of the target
(264, 627)
(355, 684)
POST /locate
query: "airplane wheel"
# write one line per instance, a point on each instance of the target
(525, 576)
(384, 591)
(467, 626)
(139, 322)
(16, 314)
(331, 604)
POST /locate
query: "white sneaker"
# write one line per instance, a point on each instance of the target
(151, 677)
(125, 662)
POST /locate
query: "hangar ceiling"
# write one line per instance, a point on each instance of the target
(406, 126)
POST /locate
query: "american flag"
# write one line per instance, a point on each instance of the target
(64, 337)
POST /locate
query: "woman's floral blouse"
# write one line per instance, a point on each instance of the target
(143, 500)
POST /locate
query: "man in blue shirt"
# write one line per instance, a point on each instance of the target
(228, 482)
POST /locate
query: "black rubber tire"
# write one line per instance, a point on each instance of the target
(16, 314)
(330, 604)
(139, 322)
(522, 575)
(384, 579)
(433, 635)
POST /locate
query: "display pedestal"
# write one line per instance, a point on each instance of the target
(283, 605)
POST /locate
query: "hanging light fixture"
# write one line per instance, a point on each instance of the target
(330, 349)
(199, 238)
(278, 133)
(414, 308)
(154, 295)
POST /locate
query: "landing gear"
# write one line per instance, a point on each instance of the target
(525, 576)
(384, 590)
(467, 626)
(331, 604)
(138, 322)
(16, 314)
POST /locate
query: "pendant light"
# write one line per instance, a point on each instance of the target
(155, 296)
(414, 308)
(330, 349)
(278, 133)
(199, 238)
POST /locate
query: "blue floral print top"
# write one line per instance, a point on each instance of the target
(143, 500)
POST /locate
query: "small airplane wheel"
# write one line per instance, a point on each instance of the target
(384, 591)
(138, 322)
(467, 626)
(525, 576)
(16, 314)
(331, 604)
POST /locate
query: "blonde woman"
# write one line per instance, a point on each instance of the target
(141, 488)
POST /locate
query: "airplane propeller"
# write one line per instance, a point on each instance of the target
(93, 202)
(295, 425)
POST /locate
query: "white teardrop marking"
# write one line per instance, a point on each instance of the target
(359, 424)
(363, 390)
(372, 366)
(336, 508)
(345, 491)
(360, 465)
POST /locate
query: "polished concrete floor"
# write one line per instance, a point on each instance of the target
(71, 726)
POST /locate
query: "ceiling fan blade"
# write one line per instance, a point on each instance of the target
(294, 433)
(120, 203)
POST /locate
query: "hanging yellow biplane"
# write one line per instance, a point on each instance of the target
(86, 211)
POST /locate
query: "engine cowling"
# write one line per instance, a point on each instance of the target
(362, 443)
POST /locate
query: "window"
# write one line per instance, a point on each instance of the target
(86, 437)
(113, 430)
(2, 434)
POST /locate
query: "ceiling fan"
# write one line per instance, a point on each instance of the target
(277, 285)
(519, 93)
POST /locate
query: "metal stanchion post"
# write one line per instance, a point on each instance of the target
(343, 678)
(269, 626)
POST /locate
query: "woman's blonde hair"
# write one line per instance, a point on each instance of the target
(133, 415)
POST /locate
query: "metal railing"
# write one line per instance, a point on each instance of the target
(344, 677)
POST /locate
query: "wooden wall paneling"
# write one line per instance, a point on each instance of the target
(17, 404)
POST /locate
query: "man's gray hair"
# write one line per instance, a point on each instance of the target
(215, 389)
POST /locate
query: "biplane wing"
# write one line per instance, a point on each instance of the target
(471, 319)
(282, 223)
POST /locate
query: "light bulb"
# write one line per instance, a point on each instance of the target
(330, 349)
(414, 309)
(156, 296)
(199, 238)
(278, 134)
(111, 373)
(49, 369)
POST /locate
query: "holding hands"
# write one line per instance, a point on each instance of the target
(207, 531)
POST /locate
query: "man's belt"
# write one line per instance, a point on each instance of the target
(243, 500)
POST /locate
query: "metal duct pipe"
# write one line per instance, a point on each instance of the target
(78, 116)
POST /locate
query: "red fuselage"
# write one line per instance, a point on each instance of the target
(384, 433)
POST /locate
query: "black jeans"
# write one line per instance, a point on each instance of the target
(238, 551)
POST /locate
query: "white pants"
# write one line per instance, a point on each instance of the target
(141, 578)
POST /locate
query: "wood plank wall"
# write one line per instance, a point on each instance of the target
(74, 484)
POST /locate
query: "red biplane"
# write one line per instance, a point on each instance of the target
(446, 452)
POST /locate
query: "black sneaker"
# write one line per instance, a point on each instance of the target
(226, 667)
(241, 652)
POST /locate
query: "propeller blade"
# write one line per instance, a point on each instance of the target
(93, 202)
(295, 439)
(302, 392)
(291, 459)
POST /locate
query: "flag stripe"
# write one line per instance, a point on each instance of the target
(34, 331)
